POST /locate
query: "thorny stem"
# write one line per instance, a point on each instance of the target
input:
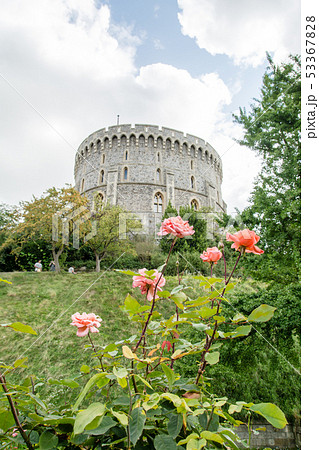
(24, 435)
(154, 299)
(177, 316)
(129, 414)
(99, 357)
(210, 341)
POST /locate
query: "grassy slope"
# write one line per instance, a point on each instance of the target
(46, 302)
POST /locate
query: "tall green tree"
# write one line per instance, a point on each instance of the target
(272, 128)
(107, 240)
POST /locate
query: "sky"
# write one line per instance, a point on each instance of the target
(69, 67)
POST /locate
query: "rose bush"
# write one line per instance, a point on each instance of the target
(134, 398)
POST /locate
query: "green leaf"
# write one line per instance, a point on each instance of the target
(170, 375)
(164, 442)
(18, 326)
(67, 382)
(270, 412)
(131, 305)
(136, 424)
(121, 417)
(106, 423)
(48, 440)
(85, 369)
(243, 330)
(86, 389)
(200, 326)
(261, 314)
(174, 425)
(6, 420)
(212, 358)
(212, 436)
(87, 416)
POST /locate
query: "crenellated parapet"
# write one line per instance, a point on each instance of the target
(119, 136)
(143, 167)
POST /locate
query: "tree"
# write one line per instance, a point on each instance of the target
(107, 239)
(272, 129)
(7, 260)
(37, 220)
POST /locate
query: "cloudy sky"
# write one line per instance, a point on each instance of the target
(69, 67)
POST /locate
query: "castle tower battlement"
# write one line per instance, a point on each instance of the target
(143, 167)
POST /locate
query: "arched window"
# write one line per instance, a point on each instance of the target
(192, 164)
(126, 155)
(158, 175)
(82, 185)
(132, 140)
(91, 148)
(123, 141)
(168, 144)
(159, 142)
(185, 149)
(98, 145)
(158, 157)
(102, 177)
(141, 141)
(103, 158)
(176, 146)
(125, 174)
(192, 151)
(158, 203)
(98, 201)
(114, 141)
(200, 153)
(192, 183)
(86, 151)
(106, 143)
(150, 142)
(194, 204)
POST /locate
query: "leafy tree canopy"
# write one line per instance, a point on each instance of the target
(272, 129)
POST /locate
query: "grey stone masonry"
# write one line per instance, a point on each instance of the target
(143, 167)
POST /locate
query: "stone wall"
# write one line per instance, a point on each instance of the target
(134, 165)
(266, 436)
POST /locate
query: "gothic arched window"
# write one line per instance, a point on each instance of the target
(102, 176)
(125, 174)
(158, 175)
(194, 204)
(158, 203)
(192, 183)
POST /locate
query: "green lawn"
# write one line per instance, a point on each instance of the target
(46, 301)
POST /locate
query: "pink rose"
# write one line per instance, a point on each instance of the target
(211, 255)
(85, 323)
(176, 226)
(147, 283)
(245, 239)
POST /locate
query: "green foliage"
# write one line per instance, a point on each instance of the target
(272, 129)
(133, 395)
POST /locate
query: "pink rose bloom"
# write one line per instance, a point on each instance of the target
(212, 255)
(176, 226)
(245, 239)
(147, 283)
(85, 323)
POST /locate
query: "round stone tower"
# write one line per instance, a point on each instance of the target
(143, 167)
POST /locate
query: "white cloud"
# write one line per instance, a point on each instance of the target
(70, 73)
(244, 30)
